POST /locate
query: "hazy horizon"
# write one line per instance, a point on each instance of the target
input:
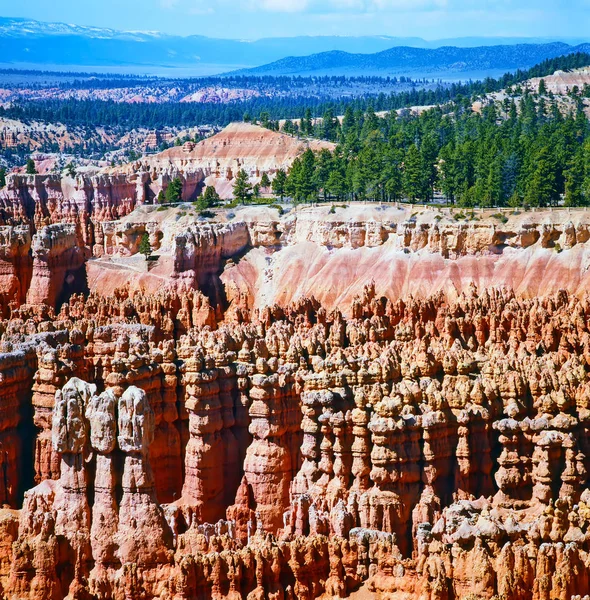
(245, 19)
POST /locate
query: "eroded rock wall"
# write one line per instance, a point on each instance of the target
(16, 266)
(428, 448)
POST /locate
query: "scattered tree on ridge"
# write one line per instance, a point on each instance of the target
(242, 187)
(174, 191)
(31, 169)
(278, 184)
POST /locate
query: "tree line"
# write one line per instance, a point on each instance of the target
(258, 82)
(514, 153)
(292, 106)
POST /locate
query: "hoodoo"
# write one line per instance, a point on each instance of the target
(248, 439)
(324, 357)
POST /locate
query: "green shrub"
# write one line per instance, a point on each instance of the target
(263, 201)
(501, 217)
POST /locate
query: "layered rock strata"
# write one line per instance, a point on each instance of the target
(259, 258)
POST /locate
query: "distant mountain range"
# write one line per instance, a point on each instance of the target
(26, 43)
(447, 63)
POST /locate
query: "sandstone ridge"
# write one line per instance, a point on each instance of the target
(261, 258)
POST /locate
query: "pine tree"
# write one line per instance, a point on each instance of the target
(542, 88)
(429, 154)
(71, 170)
(370, 122)
(174, 191)
(586, 181)
(145, 247)
(211, 196)
(393, 183)
(348, 122)
(208, 198)
(242, 187)
(336, 184)
(509, 175)
(493, 193)
(448, 172)
(289, 127)
(264, 181)
(2, 177)
(542, 185)
(414, 183)
(306, 124)
(301, 182)
(574, 181)
(329, 125)
(322, 171)
(359, 181)
(278, 184)
(31, 169)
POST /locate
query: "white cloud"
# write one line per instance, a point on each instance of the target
(390, 7)
(409, 5)
(347, 5)
(287, 6)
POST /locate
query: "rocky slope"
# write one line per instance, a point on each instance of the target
(255, 257)
(563, 82)
(259, 258)
(40, 136)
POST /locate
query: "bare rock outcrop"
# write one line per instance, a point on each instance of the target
(16, 267)
(57, 260)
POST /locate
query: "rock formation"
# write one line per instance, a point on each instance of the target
(425, 448)
(248, 416)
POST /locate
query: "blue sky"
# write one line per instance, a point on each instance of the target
(250, 19)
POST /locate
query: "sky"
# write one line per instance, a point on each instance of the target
(253, 19)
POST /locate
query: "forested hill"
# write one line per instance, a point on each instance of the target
(446, 63)
(517, 154)
(170, 114)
